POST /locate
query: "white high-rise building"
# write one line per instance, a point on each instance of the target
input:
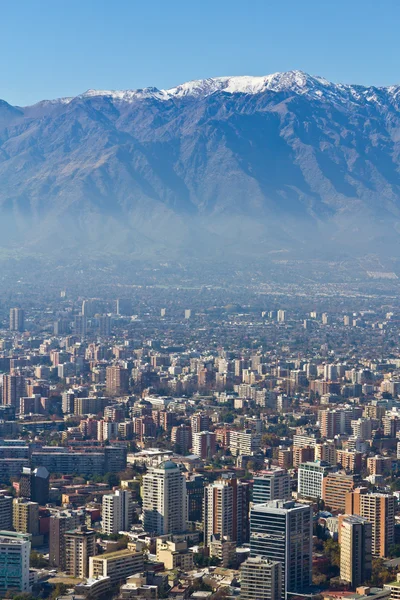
(164, 500)
(15, 549)
(281, 316)
(117, 512)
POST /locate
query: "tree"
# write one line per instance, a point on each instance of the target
(37, 560)
(59, 590)
(332, 551)
(380, 574)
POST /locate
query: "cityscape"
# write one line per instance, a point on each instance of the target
(199, 300)
(222, 442)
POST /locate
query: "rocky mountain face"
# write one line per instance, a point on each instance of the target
(224, 166)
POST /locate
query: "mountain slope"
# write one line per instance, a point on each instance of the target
(229, 165)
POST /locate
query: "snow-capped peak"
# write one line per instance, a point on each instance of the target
(296, 82)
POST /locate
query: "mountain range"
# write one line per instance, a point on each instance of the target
(251, 166)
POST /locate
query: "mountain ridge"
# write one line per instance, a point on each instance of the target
(232, 165)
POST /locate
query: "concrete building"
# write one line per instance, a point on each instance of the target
(174, 554)
(6, 512)
(244, 442)
(117, 512)
(26, 516)
(15, 549)
(60, 523)
(379, 509)
(261, 579)
(311, 479)
(204, 444)
(117, 380)
(226, 510)
(271, 485)
(80, 545)
(282, 531)
(164, 500)
(17, 319)
(355, 549)
(334, 489)
(116, 565)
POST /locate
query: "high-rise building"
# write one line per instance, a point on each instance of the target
(14, 388)
(199, 422)
(80, 545)
(379, 509)
(281, 316)
(355, 549)
(80, 325)
(334, 489)
(164, 500)
(6, 512)
(117, 512)
(26, 516)
(188, 313)
(204, 444)
(271, 485)
(181, 438)
(117, 380)
(195, 496)
(311, 477)
(282, 531)
(34, 484)
(104, 325)
(124, 307)
(261, 579)
(60, 523)
(17, 319)
(226, 510)
(15, 549)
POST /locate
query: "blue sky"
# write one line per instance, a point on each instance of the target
(52, 48)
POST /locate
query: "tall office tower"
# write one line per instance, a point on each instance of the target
(34, 484)
(261, 579)
(80, 325)
(325, 319)
(124, 307)
(6, 512)
(281, 316)
(271, 485)
(60, 327)
(26, 516)
(355, 535)
(117, 380)
(226, 510)
(15, 549)
(188, 313)
(164, 500)
(14, 388)
(80, 544)
(195, 496)
(163, 312)
(60, 523)
(200, 422)
(204, 444)
(311, 479)
(117, 512)
(104, 324)
(282, 531)
(17, 319)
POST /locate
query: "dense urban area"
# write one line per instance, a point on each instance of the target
(173, 439)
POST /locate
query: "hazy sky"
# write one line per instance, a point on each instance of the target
(52, 48)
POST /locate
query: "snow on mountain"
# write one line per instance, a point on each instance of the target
(295, 81)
